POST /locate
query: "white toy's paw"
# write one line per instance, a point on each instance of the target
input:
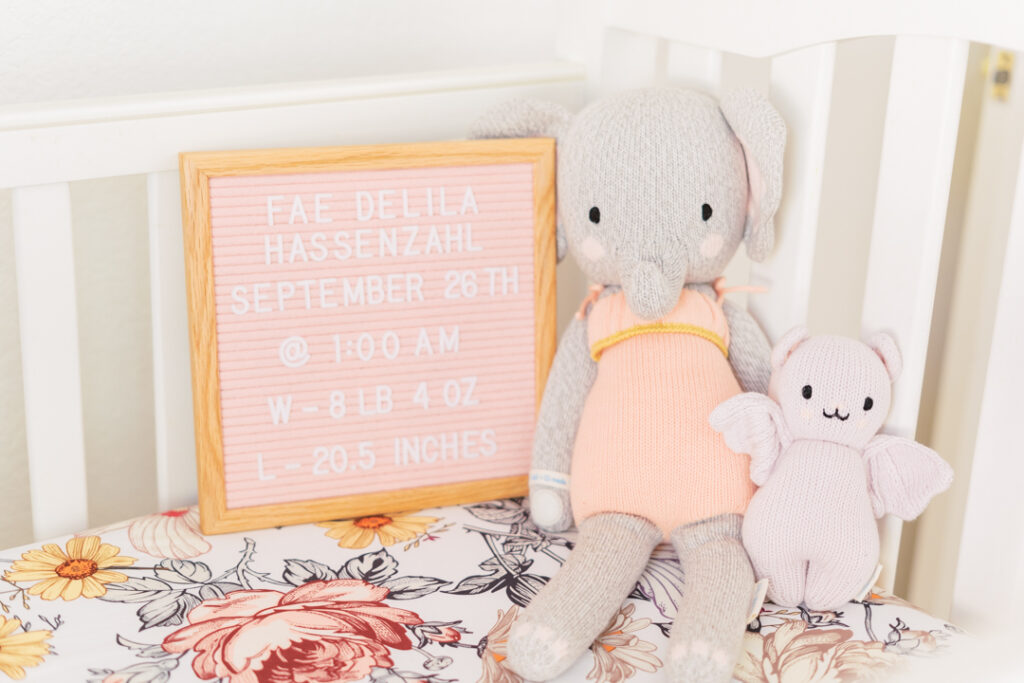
(549, 509)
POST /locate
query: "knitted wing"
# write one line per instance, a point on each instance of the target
(753, 423)
(903, 475)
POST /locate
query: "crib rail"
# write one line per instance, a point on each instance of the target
(763, 29)
(63, 142)
(623, 44)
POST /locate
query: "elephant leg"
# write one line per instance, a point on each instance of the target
(833, 582)
(570, 611)
(718, 585)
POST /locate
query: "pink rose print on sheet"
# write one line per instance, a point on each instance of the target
(321, 631)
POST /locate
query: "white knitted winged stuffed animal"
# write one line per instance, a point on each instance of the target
(824, 471)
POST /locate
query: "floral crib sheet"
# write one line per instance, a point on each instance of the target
(417, 597)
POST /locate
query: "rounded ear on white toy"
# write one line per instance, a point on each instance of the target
(526, 119)
(762, 133)
(885, 346)
(786, 345)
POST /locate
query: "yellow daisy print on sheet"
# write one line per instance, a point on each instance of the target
(390, 529)
(82, 569)
(19, 649)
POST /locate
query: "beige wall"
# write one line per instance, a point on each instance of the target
(17, 517)
(111, 244)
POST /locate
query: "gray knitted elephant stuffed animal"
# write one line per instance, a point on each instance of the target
(657, 189)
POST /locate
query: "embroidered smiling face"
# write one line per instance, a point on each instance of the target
(834, 388)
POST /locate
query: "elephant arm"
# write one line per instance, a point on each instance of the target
(569, 381)
(749, 350)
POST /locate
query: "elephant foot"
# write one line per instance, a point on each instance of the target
(699, 660)
(708, 632)
(537, 652)
(571, 610)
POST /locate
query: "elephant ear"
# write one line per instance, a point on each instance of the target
(903, 476)
(521, 118)
(762, 133)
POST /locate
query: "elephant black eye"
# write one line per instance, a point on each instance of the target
(868, 403)
(595, 214)
(705, 211)
(807, 391)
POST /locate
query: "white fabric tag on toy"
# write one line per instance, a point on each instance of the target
(557, 480)
(760, 591)
(863, 593)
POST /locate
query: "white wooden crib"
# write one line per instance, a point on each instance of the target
(788, 48)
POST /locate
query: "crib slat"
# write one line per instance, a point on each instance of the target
(983, 592)
(801, 89)
(925, 91)
(631, 60)
(175, 435)
(689, 66)
(49, 355)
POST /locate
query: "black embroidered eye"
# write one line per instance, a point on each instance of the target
(807, 391)
(868, 403)
(595, 214)
(705, 211)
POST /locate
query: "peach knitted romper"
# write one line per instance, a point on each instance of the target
(644, 445)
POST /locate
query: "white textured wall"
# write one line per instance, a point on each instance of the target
(63, 49)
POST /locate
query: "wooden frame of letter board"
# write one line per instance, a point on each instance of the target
(196, 170)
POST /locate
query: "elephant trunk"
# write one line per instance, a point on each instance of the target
(651, 293)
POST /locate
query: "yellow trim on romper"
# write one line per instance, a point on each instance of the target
(657, 328)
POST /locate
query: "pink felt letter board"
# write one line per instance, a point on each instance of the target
(371, 327)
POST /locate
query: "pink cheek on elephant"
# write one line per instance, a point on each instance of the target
(805, 414)
(592, 249)
(711, 245)
(861, 422)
